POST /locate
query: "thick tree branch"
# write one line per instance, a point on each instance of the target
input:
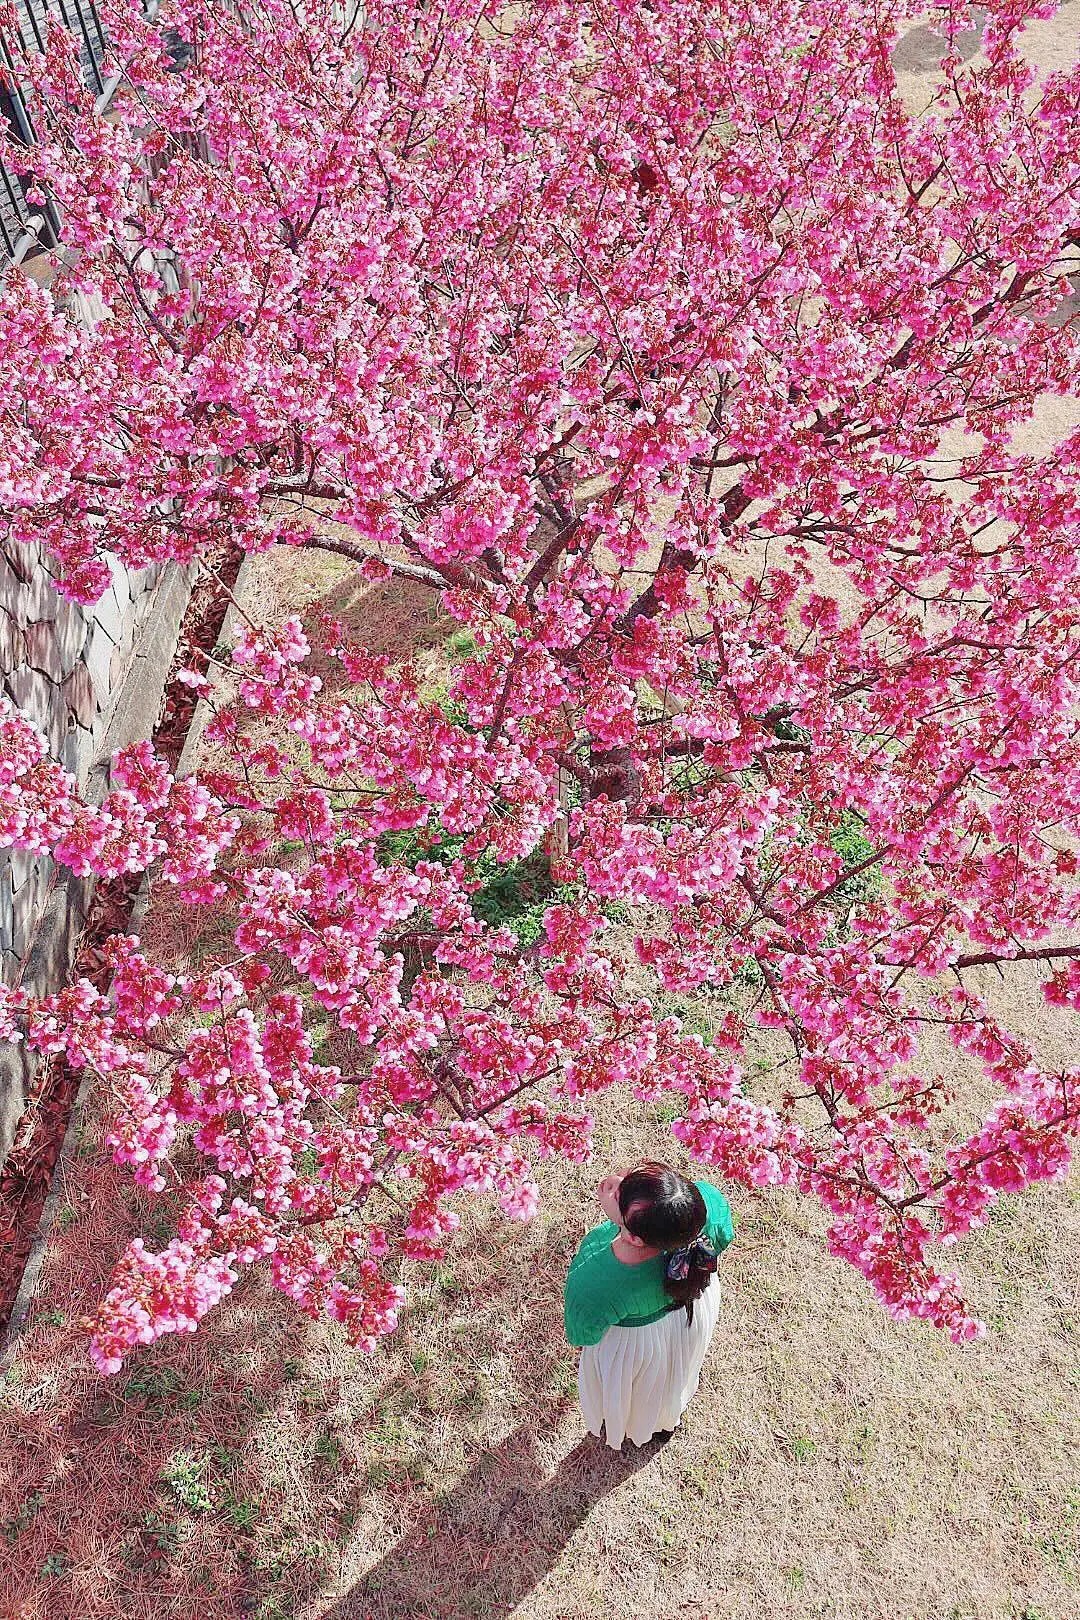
(1047, 953)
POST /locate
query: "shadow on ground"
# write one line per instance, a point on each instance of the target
(484, 1547)
(922, 50)
(131, 1496)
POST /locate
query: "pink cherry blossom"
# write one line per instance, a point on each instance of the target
(678, 361)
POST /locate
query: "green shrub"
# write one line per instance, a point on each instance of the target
(850, 843)
(516, 894)
(459, 645)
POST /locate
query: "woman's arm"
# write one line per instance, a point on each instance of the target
(719, 1221)
(588, 1310)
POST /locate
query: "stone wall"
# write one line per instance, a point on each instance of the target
(92, 680)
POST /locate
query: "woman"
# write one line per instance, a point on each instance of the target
(641, 1301)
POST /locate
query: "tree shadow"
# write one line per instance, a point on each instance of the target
(922, 50)
(111, 1493)
(477, 1552)
(396, 618)
(128, 1495)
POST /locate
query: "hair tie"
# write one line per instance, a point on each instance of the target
(700, 1253)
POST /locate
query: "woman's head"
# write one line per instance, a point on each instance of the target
(657, 1208)
(654, 1204)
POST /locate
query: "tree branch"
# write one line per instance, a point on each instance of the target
(1048, 953)
(356, 554)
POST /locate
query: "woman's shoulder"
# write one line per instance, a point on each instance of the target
(719, 1221)
(595, 1247)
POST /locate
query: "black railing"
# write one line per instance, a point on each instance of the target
(25, 228)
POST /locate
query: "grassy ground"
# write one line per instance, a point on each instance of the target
(834, 1464)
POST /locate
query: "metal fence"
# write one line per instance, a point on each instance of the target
(24, 228)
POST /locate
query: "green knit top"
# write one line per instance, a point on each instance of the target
(603, 1292)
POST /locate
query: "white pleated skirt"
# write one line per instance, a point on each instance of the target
(639, 1380)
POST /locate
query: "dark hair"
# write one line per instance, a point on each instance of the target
(668, 1212)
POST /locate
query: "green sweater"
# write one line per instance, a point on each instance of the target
(602, 1292)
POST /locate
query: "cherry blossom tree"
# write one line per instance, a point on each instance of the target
(680, 359)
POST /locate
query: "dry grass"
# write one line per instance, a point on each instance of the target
(834, 1464)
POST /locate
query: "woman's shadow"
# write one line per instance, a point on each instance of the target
(480, 1550)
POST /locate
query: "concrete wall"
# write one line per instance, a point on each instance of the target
(92, 680)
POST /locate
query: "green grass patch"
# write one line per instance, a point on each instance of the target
(240, 1511)
(165, 1535)
(850, 843)
(23, 1518)
(160, 1387)
(327, 1450)
(185, 1474)
(690, 1014)
(515, 894)
(459, 645)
